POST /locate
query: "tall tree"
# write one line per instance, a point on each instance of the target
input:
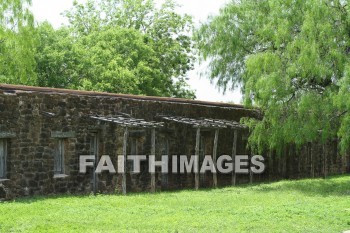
(291, 58)
(59, 61)
(125, 46)
(17, 64)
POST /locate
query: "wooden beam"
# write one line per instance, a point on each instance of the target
(250, 169)
(285, 156)
(234, 153)
(312, 171)
(324, 161)
(3, 158)
(125, 144)
(95, 141)
(299, 157)
(153, 152)
(270, 164)
(196, 178)
(215, 149)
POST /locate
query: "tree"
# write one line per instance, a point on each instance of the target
(120, 61)
(124, 46)
(291, 59)
(17, 62)
(59, 62)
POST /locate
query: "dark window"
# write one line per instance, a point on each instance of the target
(202, 153)
(94, 151)
(94, 145)
(59, 157)
(164, 151)
(3, 155)
(134, 150)
(134, 146)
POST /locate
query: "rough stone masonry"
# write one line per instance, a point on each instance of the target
(43, 132)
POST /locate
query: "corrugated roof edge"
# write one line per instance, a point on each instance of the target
(10, 87)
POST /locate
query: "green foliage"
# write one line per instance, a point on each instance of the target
(291, 59)
(342, 100)
(17, 64)
(312, 205)
(127, 46)
(58, 59)
(121, 62)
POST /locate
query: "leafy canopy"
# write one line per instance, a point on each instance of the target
(122, 46)
(17, 64)
(291, 58)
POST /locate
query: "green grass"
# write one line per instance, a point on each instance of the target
(287, 206)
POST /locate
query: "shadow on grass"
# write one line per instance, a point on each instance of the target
(332, 186)
(36, 198)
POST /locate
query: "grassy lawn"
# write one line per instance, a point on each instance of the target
(287, 206)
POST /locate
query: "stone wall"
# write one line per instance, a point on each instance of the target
(33, 123)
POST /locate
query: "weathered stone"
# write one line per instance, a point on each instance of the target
(57, 134)
(32, 136)
(7, 135)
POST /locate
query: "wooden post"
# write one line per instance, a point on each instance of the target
(3, 158)
(324, 161)
(234, 153)
(284, 167)
(299, 170)
(153, 152)
(215, 149)
(196, 177)
(125, 144)
(250, 169)
(95, 151)
(311, 161)
(269, 157)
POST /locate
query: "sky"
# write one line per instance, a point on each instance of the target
(200, 9)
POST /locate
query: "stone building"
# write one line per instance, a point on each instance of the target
(43, 132)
